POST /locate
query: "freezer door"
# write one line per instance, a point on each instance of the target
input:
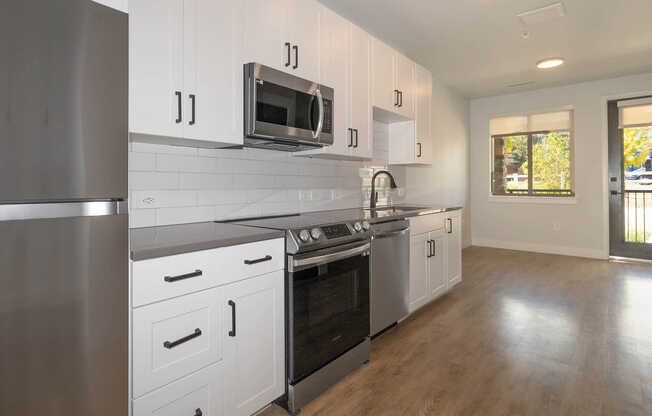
(64, 316)
(63, 101)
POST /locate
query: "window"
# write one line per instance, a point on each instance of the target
(531, 155)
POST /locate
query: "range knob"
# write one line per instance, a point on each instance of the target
(365, 225)
(315, 233)
(357, 226)
(304, 235)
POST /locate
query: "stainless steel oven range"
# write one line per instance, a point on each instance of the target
(327, 300)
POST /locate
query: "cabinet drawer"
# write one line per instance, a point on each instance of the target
(426, 223)
(168, 277)
(200, 393)
(174, 338)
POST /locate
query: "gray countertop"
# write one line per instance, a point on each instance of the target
(398, 211)
(148, 243)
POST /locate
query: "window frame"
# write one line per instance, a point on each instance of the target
(530, 194)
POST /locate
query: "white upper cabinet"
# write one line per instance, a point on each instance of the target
(393, 84)
(284, 34)
(385, 95)
(335, 74)
(156, 67)
(360, 92)
(213, 77)
(265, 40)
(186, 70)
(405, 86)
(344, 66)
(303, 31)
(410, 142)
(423, 110)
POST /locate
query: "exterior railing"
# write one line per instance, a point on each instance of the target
(637, 207)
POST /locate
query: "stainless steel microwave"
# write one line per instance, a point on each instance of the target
(285, 112)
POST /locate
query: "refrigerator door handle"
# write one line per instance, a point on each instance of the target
(19, 212)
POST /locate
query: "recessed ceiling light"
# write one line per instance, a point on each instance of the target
(550, 63)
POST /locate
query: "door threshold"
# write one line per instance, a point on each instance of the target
(618, 259)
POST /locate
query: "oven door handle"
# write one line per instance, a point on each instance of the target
(320, 123)
(329, 258)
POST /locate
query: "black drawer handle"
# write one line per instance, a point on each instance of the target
(171, 279)
(264, 259)
(296, 57)
(193, 101)
(396, 92)
(169, 345)
(289, 47)
(178, 94)
(198, 412)
(450, 225)
(232, 331)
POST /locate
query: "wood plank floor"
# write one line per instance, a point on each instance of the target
(523, 334)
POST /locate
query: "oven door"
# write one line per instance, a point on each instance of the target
(283, 106)
(328, 306)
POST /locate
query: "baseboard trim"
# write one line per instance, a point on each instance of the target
(542, 248)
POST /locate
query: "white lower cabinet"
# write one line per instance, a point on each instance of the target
(200, 394)
(435, 257)
(175, 338)
(254, 349)
(218, 351)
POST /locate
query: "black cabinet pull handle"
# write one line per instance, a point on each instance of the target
(171, 344)
(296, 57)
(434, 248)
(396, 92)
(400, 94)
(356, 137)
(429, 248)
(288, 46)
(171, 279)
(193, 99)
(232, 331)
(419, 146)
(250, 262)
(178, 94)
(450, 226)
(350, 137)
(198, 412)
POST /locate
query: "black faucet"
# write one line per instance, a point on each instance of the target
(374, 198)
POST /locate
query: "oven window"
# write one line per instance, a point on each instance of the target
(286, 107)
(329, 313)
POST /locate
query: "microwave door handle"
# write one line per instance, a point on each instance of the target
(320, 123)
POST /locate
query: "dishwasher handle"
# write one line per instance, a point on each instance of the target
(390, 234)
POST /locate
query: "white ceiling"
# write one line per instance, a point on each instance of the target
(476, 47)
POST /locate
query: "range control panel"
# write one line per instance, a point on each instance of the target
(336, 231)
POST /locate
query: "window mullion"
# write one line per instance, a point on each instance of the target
(530, 170)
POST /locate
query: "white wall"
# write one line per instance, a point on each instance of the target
(446, 182)
(583, 226)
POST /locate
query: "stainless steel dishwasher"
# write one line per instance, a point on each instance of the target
(390, 268)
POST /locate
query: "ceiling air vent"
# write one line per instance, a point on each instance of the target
(543, 14)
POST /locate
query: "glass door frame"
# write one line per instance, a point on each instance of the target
(618, 247)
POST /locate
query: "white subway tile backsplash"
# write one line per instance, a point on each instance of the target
(153, 180)
(173, 185)
(176, 163)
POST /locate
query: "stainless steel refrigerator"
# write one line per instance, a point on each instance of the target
(63, 223)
